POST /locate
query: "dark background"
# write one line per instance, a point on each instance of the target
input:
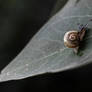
(19, 21)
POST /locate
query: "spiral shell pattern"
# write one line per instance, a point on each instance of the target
(71, 39)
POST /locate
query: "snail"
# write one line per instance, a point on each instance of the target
(72, 39)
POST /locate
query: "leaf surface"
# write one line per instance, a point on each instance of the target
(46, 51)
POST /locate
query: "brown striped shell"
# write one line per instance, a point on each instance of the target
(71, 39)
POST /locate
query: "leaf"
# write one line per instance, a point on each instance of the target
(46, 51)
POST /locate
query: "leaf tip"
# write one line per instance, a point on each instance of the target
(5, 77)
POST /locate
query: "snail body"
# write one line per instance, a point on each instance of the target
(72, 39)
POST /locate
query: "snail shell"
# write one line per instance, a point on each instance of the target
(71, 39)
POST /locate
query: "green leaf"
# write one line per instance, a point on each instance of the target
(46, 51)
